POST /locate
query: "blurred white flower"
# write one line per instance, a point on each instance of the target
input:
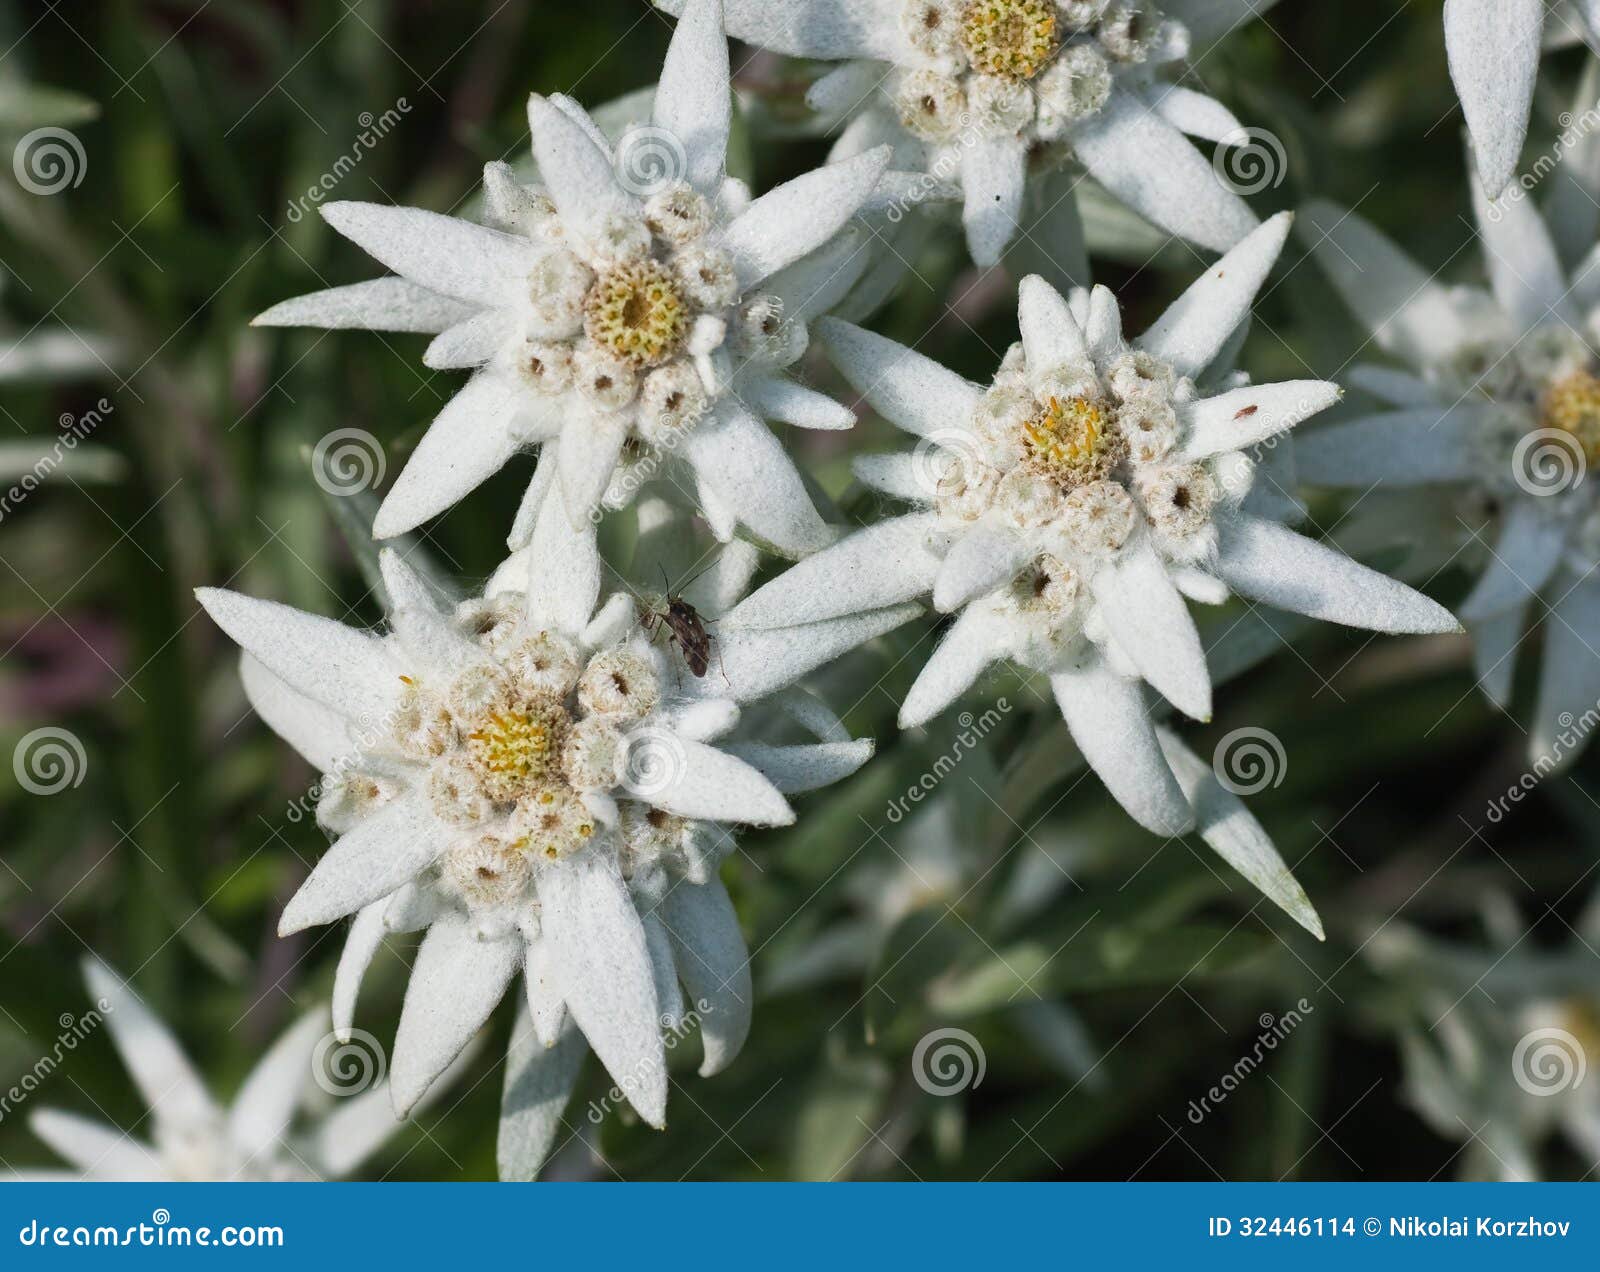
(1064, 515)
(998, 95)
(193, 1138)
(637, 309)
(1485, 442)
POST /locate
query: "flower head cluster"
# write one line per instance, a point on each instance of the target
(1066, 512)
(637, 309)
(1490, 434)
(994, 93)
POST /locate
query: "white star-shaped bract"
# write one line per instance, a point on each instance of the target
(1494, 48)
(1486, 441)
(639, 308)
(538, 785)
(193, 1138)
(997, 96)
(1064, 515)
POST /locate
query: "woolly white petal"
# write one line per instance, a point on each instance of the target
(538, 1085)
(1524, 267)
(980, 560)
(1102, 328)
(818, 281)
(338, 666)
(590, 445)
(455, 984)
(702, 782)
(578, 173)
(172, 1090)
(881, 565)
(993, 177)
(442, 253)
(974, 640)
(1409, 313)
(1193, 113)
(471, 342)
(1241, 418)
(756, 662)
(775, 398)
(1237, 837)
(1397, 388)
(1155, 170)
(596, 954)
(386, 849)
(467, 443)
(704, 720)
(694, 101)
(1524, 558)
(1050, 334)
(426, 634)
(365, 936)
(1569, 681)
(737, 455)
(265, 1104)
(805, 767)
(715, 966)
(1398, 448)
(383, 304)
(912, 392)
(1273, 564)
(102, 1153)
(826, 29)
(1151, 623)
(1494, 61)
(1196, 325)
(563, 564)
(1209, 20)
(1107, 718)
(786, 223)
(900, 475)
(318, 733)
(1494, 652)
(669, 995)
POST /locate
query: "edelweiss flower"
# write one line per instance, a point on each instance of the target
(1501, 420)
(1066, 512)
(639, 304)
(194, 1139)
(997, 93)
(532, 786)
(1494, 48)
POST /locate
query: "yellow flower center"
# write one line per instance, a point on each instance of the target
(1573, 406)
(552, 824)
(1070, 443)
(637, 313)
(1010, 38)
(512, 748)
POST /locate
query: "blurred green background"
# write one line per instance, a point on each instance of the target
(201, 125)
